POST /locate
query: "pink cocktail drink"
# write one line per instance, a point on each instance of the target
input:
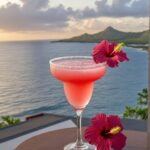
(77, 73)
(78, 76)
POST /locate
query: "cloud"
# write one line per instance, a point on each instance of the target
(37, 15)
(34, 4)
(33, 15)
(118, 8)
(95, 25)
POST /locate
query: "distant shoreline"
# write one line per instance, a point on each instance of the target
(142, 46)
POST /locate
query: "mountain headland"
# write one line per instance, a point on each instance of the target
(133, 39)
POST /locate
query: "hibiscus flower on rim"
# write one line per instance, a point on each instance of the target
(105, 132)
(109, 52)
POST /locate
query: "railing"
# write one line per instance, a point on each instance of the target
(135, 130)
(148, 127)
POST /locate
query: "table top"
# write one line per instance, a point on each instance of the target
(56, 140)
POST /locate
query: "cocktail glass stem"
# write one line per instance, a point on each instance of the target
(79, 141)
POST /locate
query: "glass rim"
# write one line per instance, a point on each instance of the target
(94, 65)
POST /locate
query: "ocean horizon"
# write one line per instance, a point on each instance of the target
(27, 87)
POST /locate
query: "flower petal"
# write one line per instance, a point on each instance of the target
(122, 56)
(100, 121)
(99, 52)
(114, 121)
(92, 135)
(118, 141)
(104, 145)
(99, 58)
(112, 61)
(111, 47)
(100, 47)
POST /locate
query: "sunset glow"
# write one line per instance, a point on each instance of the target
(43, 19)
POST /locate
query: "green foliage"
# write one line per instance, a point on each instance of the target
(140, 111)
(8, 120)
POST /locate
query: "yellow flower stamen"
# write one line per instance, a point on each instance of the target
(118, 47)
(115, 130)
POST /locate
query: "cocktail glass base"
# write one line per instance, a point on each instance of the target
(85, 146)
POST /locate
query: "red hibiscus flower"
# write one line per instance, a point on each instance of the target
(106, 132)
(110, 53)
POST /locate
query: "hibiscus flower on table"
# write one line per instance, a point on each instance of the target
(105, 132)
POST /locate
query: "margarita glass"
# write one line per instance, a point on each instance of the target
(77, 73)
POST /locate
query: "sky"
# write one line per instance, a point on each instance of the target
(58, 19)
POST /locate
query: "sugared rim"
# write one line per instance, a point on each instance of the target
(94, 65)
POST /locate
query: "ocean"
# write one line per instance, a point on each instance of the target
(27, 87)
